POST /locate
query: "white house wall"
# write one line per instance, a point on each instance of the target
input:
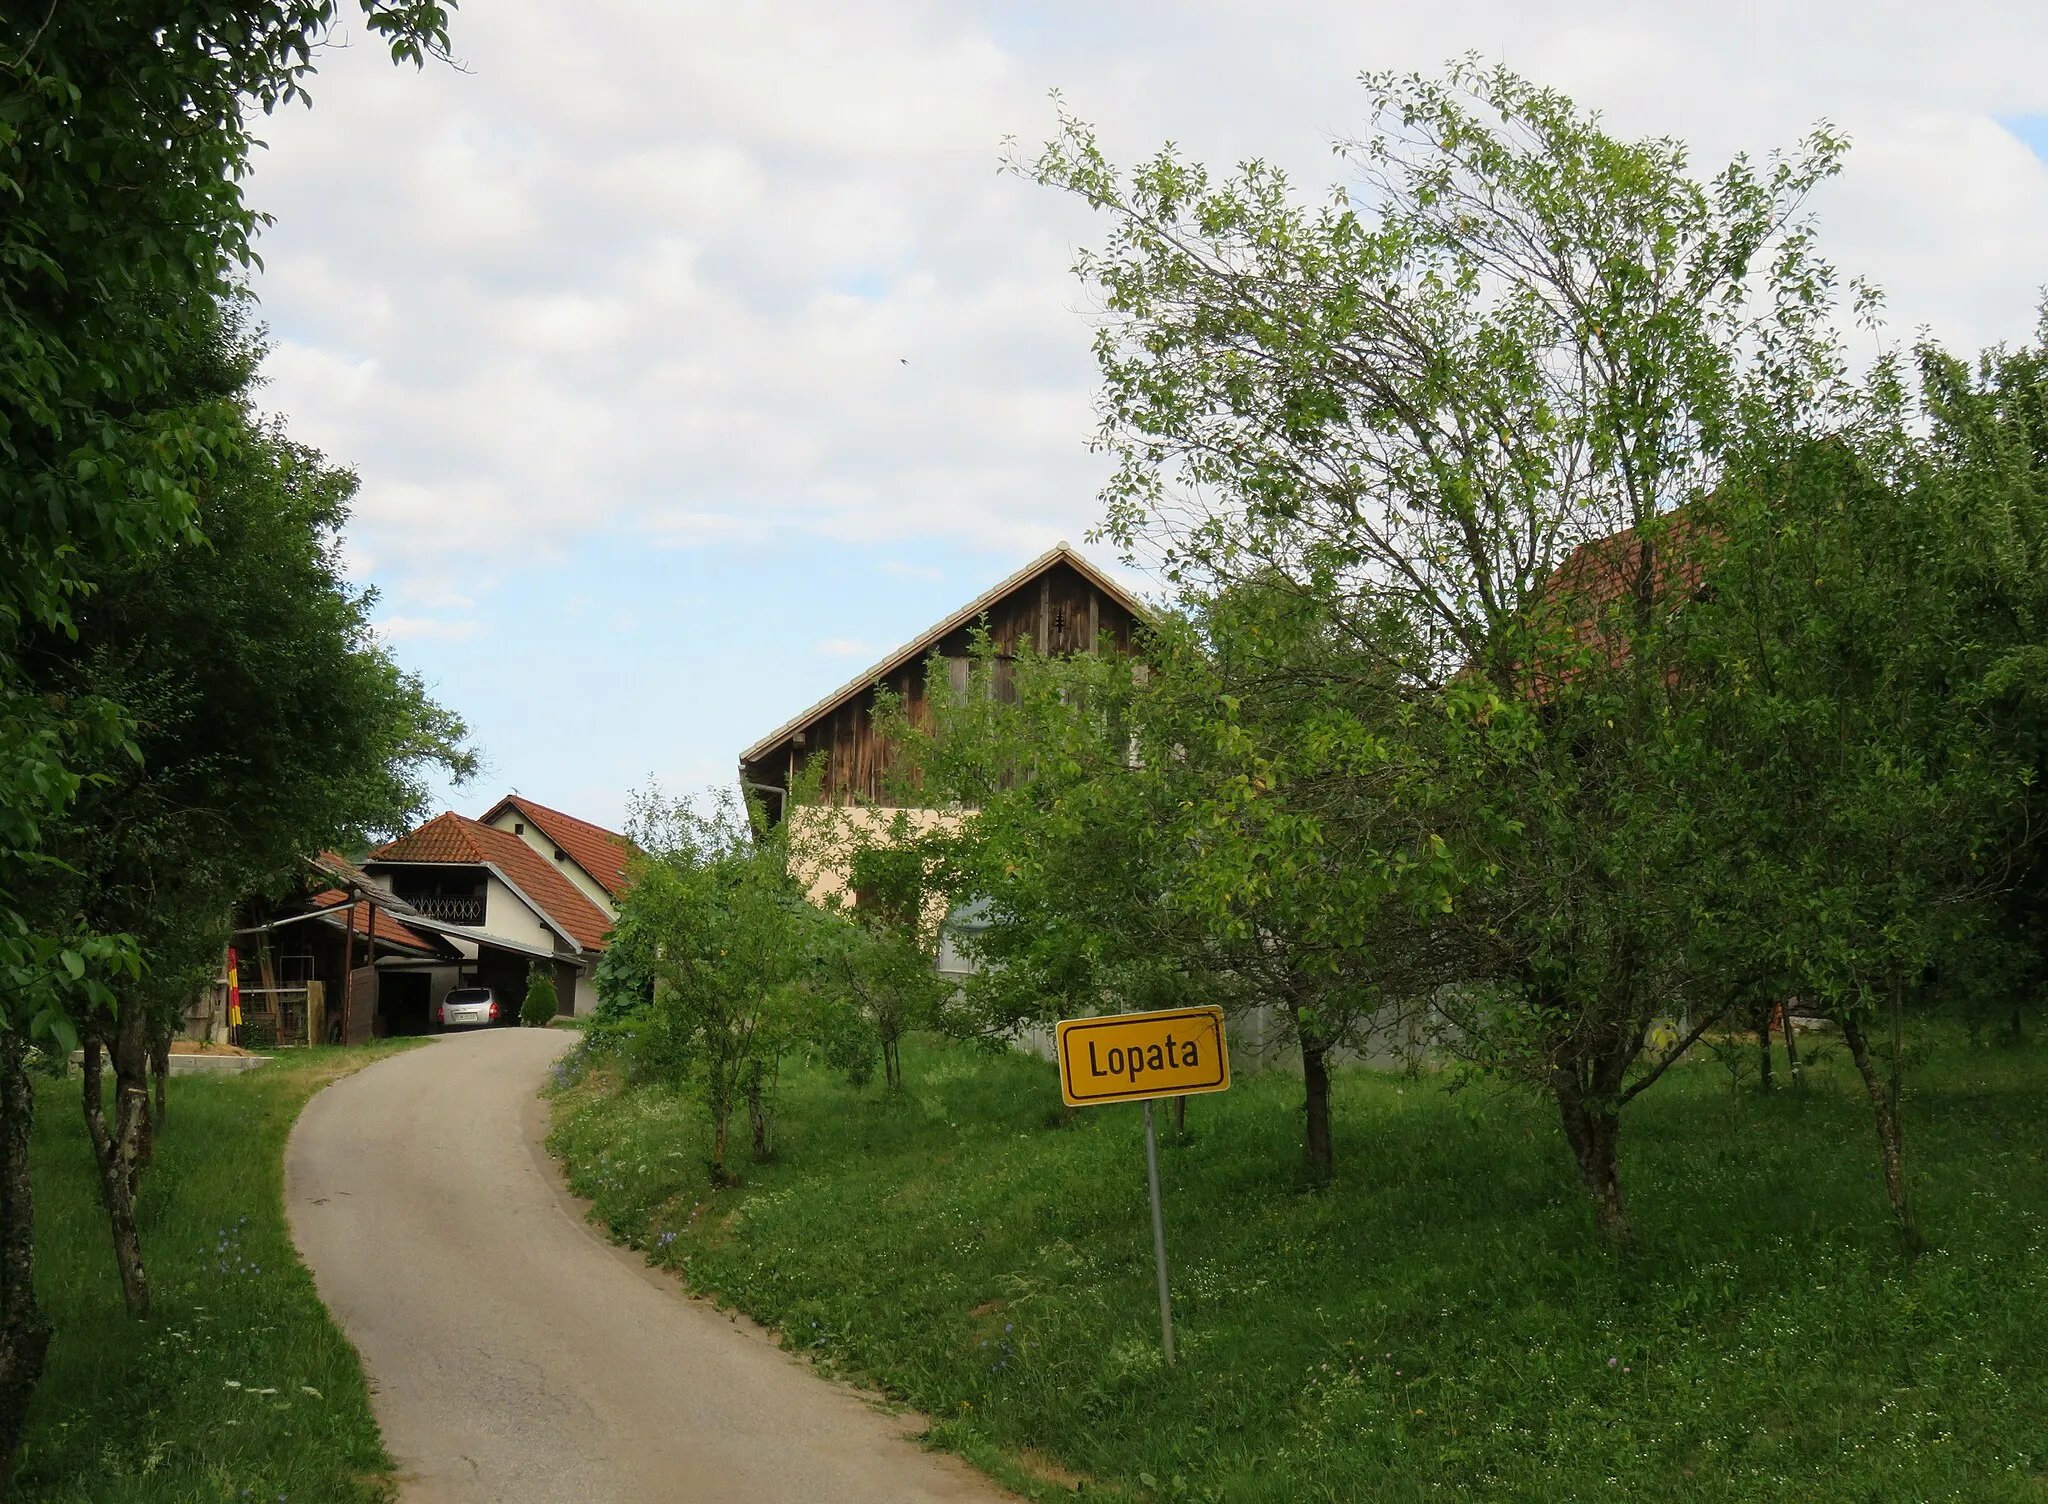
(510, 821)
(507, 917)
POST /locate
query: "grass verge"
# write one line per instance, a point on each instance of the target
(239, 1386)
(1441, 1322)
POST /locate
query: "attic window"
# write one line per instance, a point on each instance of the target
(518, 828)
(561, 855)
(1059, 618)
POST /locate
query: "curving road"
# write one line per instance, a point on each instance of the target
(515, 1357)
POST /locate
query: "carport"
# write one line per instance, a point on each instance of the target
(409, 989)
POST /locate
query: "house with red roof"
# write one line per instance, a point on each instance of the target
(594, 859)
(525, 887)
(305, 962)
(352, 951)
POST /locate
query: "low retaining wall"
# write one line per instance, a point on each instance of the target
(214, 1065)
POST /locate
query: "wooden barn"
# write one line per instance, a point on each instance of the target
(1058, 603)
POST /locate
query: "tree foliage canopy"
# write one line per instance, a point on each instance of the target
(125, 134)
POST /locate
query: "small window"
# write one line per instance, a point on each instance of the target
(1059, 618)
(561, 855)
(518, 827)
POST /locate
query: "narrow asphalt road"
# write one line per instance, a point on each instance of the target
(515, 1357)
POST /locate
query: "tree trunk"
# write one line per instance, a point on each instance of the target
(116, 1148)
(1884, 1107)
(159, 1071)
(1791, 1048)
(1764, 1083)
(720, 1117)
(24, 1333)
(757, 1115)
(1595, 1138)
(113, 1147)
(1315, 1076)
(892, 1061)
(130, 1053)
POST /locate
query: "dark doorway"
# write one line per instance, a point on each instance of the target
(402, 1002)
(505, 974)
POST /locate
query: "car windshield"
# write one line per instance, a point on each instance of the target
(469, 995)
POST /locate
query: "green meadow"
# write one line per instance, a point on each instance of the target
(1442, 1321)
(238, 1386)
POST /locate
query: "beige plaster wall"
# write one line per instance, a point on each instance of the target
(824, 837)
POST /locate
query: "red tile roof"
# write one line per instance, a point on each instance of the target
(457, 841)
(600, 852)
(388, 928)
(1597, 576)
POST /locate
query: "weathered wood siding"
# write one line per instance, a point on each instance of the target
(1056, 611)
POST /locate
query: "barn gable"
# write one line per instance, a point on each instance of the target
(1058, 603)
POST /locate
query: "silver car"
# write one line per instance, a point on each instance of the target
(469, 1008)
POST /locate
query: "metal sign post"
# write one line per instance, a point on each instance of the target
(1143, 1057)
(1158, 1235)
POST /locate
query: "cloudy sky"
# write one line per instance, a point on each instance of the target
(692, 355)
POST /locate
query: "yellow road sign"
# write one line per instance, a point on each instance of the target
(1129, 1057)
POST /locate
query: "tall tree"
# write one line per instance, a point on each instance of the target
(269, 724)
(1213, 824)
(735, 952)
(1516, 335)
(124, 141)
(1877, 635)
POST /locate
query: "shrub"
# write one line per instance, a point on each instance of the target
(541, 1004)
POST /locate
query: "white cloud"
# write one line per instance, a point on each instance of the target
(706, 273)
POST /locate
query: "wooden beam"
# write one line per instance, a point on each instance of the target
(348, 957)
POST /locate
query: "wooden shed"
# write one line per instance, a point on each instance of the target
(1058, 603)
